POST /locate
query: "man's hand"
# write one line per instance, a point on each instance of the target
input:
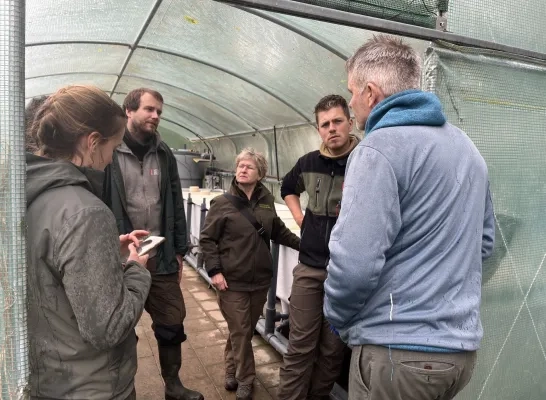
(180, 259)
(134, 237)
(219, 282)
(293, 203)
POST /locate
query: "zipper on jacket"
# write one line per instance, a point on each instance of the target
(317, 191)
(326, 234)
(141, 168)
(256, 243)
(329, 192)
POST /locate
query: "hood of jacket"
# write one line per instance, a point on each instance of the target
(410, 107)
(324, 151)
(44, 174)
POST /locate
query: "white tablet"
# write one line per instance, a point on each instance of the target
(151, 242)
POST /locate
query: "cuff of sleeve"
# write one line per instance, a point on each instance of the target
(130, 264)
(182, 251)
(214, 271)
(288, 193)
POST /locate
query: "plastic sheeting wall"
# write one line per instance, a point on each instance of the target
(13, 318)
(514, 23)
(500, 104)
(222, 70)
(292, 143)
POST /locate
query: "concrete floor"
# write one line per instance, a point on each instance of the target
(203, 352)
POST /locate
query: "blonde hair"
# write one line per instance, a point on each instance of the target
(387, 61)
(249, 153)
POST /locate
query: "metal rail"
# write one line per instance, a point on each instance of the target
(305, 10)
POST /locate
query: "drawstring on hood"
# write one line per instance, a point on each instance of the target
(354, 140)
(407, 108)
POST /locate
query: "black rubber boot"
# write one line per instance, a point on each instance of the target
(170, 359)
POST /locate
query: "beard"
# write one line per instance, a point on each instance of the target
(143, 133)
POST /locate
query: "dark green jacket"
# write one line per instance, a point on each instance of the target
(173, 220)
(232, 246)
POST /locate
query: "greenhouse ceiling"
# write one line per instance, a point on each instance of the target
(222, 70)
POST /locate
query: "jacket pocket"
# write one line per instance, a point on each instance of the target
(236, 264)
(361, 375)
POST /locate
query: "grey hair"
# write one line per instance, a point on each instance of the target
(249, 153)
(387, 61)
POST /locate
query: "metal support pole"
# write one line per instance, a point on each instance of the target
(203, 214)
(264, 130)
(134, 46)
(305, 10)
(189, 206)
(441, 19)
(275, 339)
(276, 152)
(191, 261)
(14, 363)
(200, 261)
(271, 310)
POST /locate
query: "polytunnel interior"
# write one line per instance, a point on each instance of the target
(234, 77)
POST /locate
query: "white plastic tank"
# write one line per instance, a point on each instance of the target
(191, 172)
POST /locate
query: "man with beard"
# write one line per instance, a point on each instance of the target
(142, 188)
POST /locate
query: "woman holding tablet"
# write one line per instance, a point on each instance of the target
(83, 304)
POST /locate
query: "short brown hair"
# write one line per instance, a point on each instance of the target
(332, 101)
(71, 113)
(132, 100)
(249, 153)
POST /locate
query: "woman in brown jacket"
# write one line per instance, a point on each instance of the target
(238, 259)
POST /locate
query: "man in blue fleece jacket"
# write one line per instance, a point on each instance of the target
(416, 222)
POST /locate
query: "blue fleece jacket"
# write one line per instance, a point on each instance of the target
(416, 222)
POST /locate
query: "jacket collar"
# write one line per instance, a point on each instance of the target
(260, 191)
(407, 108)
(324, 152)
